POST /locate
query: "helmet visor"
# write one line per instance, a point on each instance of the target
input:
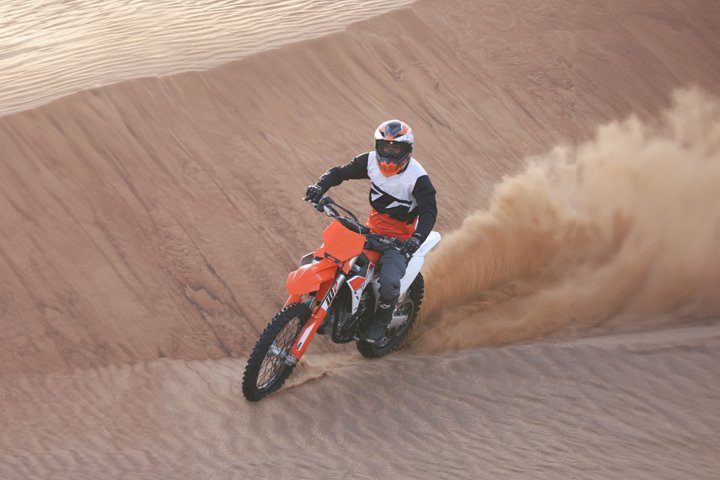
(392, 150)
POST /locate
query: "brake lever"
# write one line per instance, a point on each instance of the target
(323, 205)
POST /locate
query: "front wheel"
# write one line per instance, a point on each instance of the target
(403, 318)
(268, 366)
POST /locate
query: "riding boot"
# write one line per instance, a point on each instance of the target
(381, 320)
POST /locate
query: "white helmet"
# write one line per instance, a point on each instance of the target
(393, 146)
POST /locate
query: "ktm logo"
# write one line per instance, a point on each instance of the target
(331, 258)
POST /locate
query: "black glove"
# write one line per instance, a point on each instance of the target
(411, 245)
(314, 193)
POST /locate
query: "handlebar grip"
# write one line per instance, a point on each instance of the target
(384, 239)
(320, 205)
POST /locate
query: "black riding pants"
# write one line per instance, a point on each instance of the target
(392, 268)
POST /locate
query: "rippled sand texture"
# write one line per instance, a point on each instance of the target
(53, 48)
(627, 407)
(147, 228)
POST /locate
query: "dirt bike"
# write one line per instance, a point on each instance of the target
(335, 293)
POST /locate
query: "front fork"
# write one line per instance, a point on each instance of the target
(317, 316)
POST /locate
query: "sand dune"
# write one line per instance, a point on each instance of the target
(63, 47)
(159, 217)
(148, 226)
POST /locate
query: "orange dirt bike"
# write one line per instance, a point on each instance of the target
(334, 292)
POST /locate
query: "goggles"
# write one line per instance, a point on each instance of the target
(392, 150)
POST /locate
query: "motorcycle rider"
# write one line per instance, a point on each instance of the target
(403, 204)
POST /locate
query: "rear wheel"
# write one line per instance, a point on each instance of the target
(268, 365)
(404, 316)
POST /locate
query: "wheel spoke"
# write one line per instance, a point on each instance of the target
(401, 315)
(269, 363)
(274, 362)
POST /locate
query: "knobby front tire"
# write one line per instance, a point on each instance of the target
(267, 369)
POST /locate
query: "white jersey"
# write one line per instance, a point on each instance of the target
(395, 192)
(398, 200)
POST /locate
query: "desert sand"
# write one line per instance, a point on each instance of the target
(571, 322)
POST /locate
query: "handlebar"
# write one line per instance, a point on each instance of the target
(326, 206)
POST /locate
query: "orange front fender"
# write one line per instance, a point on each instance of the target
(308, 278)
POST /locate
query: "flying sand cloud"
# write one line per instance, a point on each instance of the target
(611, 232)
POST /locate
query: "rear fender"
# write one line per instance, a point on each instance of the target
(417, 260)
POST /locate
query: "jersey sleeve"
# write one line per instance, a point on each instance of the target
(424, 193)
(354, 170)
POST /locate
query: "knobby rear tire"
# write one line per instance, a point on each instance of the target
(274, 361)
(415, 295)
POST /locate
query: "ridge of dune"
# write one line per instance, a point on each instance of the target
(159, 217)
(63, 47)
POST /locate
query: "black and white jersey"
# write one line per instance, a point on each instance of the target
(404, 197)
